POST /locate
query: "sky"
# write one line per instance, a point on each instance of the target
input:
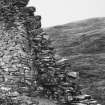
(58, 12)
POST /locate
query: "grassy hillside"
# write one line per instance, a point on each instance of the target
(83, 44)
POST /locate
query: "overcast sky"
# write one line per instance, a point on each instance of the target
(56, 12)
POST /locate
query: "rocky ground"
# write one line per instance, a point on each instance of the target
(83, 44)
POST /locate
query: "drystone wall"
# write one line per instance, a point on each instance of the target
(26, 57)
(15, 39)
(14, 45)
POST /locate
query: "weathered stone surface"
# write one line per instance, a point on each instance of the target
(15, 50)
(29, 11)
(13, 53)
(18, 3)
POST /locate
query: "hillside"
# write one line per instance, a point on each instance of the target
(83, 44)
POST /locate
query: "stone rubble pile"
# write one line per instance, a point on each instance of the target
(44, 74)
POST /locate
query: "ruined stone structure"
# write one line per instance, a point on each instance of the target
(15, 39)
(26, 57)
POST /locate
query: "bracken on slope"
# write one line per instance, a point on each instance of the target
(82, 43)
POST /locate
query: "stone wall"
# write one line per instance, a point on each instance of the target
(16, 59)
(25, 54)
